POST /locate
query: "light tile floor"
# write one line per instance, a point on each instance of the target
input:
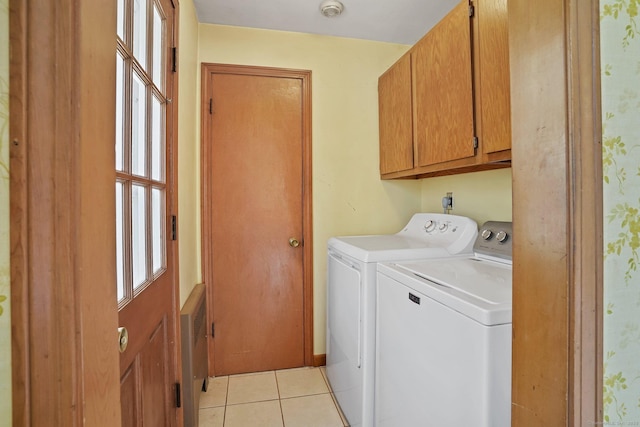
(289, 398)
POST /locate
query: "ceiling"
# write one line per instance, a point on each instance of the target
(394, 21)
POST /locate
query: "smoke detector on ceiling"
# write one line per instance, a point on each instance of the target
(331, 8)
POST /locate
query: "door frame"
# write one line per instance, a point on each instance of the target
(207, 69)
(557, 210)
(63, 294)
(64, 314)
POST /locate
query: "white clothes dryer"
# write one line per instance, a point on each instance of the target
(351, 291)
(443, 341)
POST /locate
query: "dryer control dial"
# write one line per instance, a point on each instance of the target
(430, 225)
(486, 234)
(502, 236)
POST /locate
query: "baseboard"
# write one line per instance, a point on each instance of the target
(319, 359)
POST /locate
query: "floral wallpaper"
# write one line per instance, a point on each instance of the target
(5, 315)
(620, 58)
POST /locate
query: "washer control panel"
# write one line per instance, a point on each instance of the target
(495, 239)
(433, 226)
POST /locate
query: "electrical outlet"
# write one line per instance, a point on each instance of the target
(447, 203)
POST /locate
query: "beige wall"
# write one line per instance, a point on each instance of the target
(482, 196)
(348, 196)
(188, 152)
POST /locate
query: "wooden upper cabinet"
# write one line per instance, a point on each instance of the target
(492, 34)
(444, 90)
(445, 106)
(396, 129)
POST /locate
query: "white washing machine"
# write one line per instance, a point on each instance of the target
(443, 341)
(351, 299)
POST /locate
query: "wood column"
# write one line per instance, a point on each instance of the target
(557, 211)
(64, 317)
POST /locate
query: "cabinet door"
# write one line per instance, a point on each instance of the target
(394, 103)
(444, 90)
(495, 101)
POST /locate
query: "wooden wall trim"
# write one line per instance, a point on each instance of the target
(64, 351)
(319, 360)
(18, 222)
(172, 207)
(307, 220)
(585, 213)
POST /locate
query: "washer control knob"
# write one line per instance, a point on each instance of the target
(430, 226)
(443, 227)
(486, 234)
(502, 236)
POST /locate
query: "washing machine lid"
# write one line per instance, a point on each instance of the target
(426, 235)
(386, 248)
(478, 288)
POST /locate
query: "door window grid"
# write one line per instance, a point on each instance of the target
(140, 147)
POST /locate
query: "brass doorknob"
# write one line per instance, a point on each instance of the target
(293, 242)
(123, 339)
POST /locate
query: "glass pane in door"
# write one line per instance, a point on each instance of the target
(138, 126)
(140, 31)
(120, 21)
(157, 235)
(120, 96)
(120, 240)
(138, 235)
(157, 139)
(158, 50)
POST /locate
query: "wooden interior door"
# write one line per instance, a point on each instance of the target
(256, 197)
(145, 205)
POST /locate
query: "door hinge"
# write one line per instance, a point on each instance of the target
(475, 142)
(210, 105)
(174, 54)
(472, 11)
(174, 228)
(213, 329)
(178, 396)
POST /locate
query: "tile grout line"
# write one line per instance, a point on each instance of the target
(279, 398)
(333, 398)
(226, 400)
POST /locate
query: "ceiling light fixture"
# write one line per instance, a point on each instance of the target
(331, 8)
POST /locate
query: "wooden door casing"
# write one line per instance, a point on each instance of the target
(63, 296)
(557, 213)
(236, 180)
